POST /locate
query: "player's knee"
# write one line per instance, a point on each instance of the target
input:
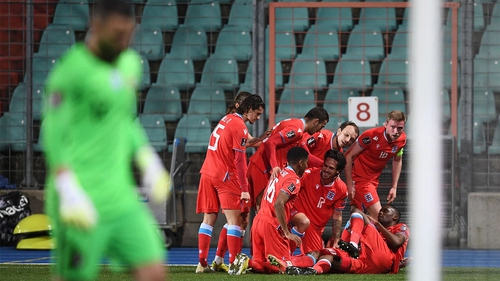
(303, 224)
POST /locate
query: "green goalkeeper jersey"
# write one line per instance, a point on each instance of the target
(89, 126)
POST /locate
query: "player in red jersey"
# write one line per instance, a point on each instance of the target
(270, 157)
(367, 159)
(382, 241)
(323, 196)
(223, 181)
(270, 233)
(319, 143)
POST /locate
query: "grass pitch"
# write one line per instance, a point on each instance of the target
(186, 273)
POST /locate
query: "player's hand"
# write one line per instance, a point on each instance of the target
(294, 238)
(275, 172)
(245, 196)
(351, 192)
(75, 207)
(332, 243)
(265, 135)
(392, 195)
(154, 176)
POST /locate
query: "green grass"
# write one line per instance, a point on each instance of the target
(186, 273)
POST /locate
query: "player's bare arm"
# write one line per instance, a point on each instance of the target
(397, 164)
(394, 241)
(279, 206)
(336, 229)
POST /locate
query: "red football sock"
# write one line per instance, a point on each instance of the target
(204, 236)
(263, 267)
(233, 241)
(222, 243)
(322, 266)
(357, 224)
(302, 261)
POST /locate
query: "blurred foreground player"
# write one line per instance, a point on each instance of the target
(90, 140)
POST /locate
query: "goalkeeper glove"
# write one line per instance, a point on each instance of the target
(154, 176)
(75, 207)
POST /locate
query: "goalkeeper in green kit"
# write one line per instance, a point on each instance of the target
(90, 139)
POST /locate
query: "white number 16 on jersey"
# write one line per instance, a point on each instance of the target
(271, 191)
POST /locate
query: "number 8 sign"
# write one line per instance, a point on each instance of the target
(364, 111)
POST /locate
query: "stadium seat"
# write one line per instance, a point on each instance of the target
(384, 19)
(478, 138)
(148, 42)
(18, 100)
(37, 93)
(234, 41)
(196, 129)
(241, 15)
(494, 149)
(394, 70)
(389, 99)
(278, 77)
(177, 72)
(295, 103)
(447, 74)
(445, 97)
(365, 42)
(400, 44)
(308, 72)
(447, 44)
(160, 14)
(41, 66)
(332, 124)
(484, 105)
(490, 44)
(17, 131)
(56, 39)
(322, 42)
(338, 18)
(336, 102)
(38, 146)
(165, 101)
(220, 71)
(146, 78)
(4, 131)
(208, 101)
(74, 13)
(284, 44)
(478, 17)
(204, 14)
(292, 19)
(154, 125)
(190, 42)
(352, 71)
(486, 73)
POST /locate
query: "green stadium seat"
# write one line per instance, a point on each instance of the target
(146, 78)
(241, 15)
(204, 14)
(154, 125)
(295, 103)
(38, 146)
(400, 44)
(292, 19)
(384, 19)
(148, 42)
(389, 99)
(234, 41)
(190, 42)
(332, 124)
(494, 149)
(37, 93)
(394, 71)
(352, 71)
(177, 72)
(4, 131)
(322, 41)
(338, 18)
(18, 100)
(278, 77)
(165, 101)
(220, 71)
(41, 66)
(447, 68)
(365, 42)
(17, 131)
(478, 17)
(208, 101)
(284, 44)
(74, 13)
(160, 14)
(308, 72)
(486, 73)
(336, 102)
(196, 129)
(478, 138)
(490, 44)
(445, 97)
(447, 45)
(484, 105)
(56, 39)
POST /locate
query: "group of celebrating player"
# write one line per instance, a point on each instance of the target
(293, 183)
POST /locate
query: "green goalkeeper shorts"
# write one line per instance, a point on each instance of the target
(130, 239)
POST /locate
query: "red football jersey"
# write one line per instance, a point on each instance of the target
(286, 181)
(377, 152)
(319, 143)
(318, 201)
(403, 229)
(229, 135)
(290, 133)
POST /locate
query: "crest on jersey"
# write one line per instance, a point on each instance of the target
(291, 188)
(394, 149)
(403, 227)
(368, 197)
(375, 138)
(330, 195)
(366, 140)
(290, 134)
(317, 185)
(243, 141)
(311, 141)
